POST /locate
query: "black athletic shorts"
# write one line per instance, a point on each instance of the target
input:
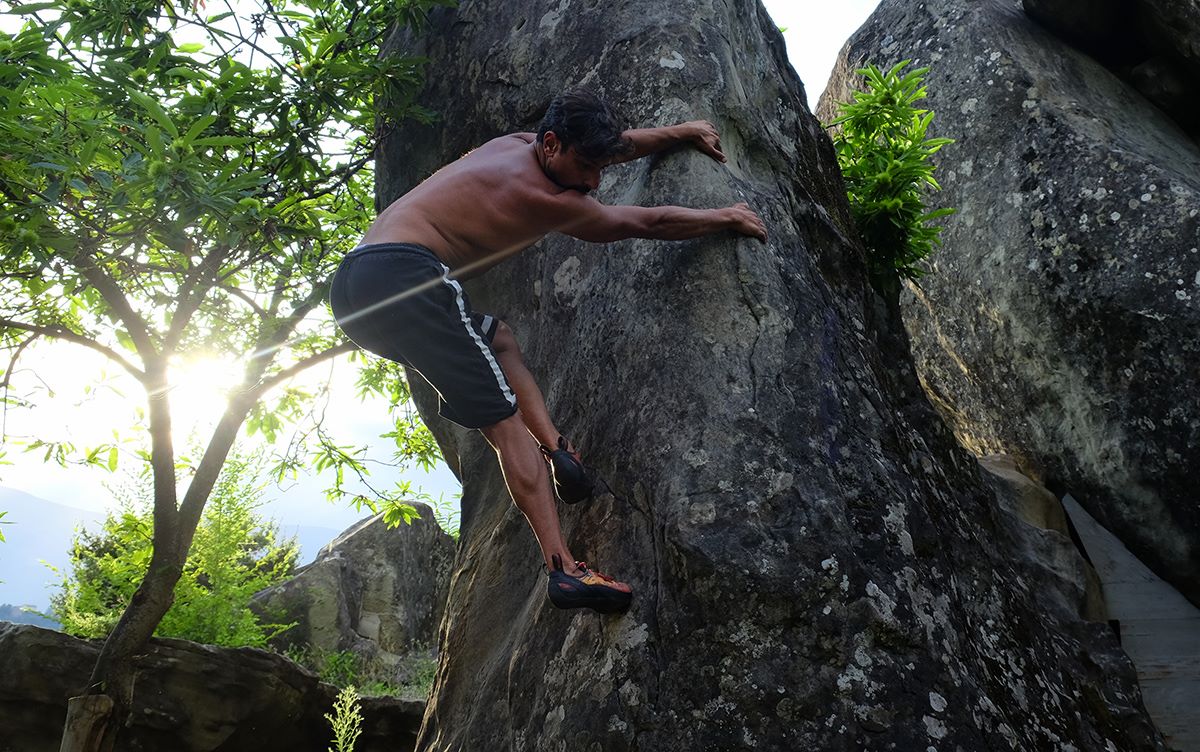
(399, 301)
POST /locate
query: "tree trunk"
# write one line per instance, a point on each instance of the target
(88, 717)
(93, 720)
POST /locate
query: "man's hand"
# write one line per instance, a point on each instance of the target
(746, 222)
(705, 137)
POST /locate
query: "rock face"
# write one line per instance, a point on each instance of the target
(377, 591)
(1152, 44)
(189, 698)
(1040, 539)
(816, 564)
(1059, 323)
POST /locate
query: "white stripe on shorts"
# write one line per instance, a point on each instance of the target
(483, 348)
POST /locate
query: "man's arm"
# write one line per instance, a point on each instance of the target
(699, 133)
(591, 221)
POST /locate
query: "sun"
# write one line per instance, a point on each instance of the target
(199, 391)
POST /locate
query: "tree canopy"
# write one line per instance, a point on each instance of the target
(179, 180)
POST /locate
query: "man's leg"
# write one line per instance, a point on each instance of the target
(525, 475)
(533, 405)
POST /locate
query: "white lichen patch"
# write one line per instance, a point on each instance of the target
(675, 61)
(937, 702)
(633, 637)
(968, 106)
(895, 522)
(934, 727)
(568, 279)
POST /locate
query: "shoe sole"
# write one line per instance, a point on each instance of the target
(603, 600)
(571, 484)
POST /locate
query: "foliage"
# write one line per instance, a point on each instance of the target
(447, 514)
(884, 152)
(342, 668)
(346, 720)
(2, 522)
(176, 184)
(234, 555)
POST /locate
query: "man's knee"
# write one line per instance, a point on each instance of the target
(504, 340)
(501, 435)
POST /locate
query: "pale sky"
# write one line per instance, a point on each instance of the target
(86, 407)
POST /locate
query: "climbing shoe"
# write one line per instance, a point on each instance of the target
(572, 483)
(588, 590)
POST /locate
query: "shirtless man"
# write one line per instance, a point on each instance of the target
(398, 295)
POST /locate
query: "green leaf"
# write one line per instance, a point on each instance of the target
(198, 127)
(155, 110)
(22, 10)
(189, 47)
(112, 459)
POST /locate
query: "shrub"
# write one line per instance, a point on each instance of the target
(234, 555)
(884, 154)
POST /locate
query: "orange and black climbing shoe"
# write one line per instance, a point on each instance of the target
(588, 590)
(572, 482)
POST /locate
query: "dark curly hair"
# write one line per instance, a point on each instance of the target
(584, 121)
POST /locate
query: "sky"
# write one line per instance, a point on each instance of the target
(83, 399)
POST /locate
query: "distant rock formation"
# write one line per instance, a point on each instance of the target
(1060, 322)
(374, 590)
(817, 565)
(189, 698)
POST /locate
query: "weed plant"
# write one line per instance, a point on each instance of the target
(885, 154)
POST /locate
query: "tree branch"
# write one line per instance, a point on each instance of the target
(192, 294)
(79, 339)
(266, 385)
(112, 293)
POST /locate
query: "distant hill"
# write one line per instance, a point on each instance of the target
(19, 615)
(41, 530)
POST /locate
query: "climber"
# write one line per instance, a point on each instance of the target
(398, 294)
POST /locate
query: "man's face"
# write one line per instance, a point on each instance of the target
(568, 168)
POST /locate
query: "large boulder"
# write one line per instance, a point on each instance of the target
(374, 590)
(1059, 323)
(1152, 44)
(817, 565)
(188, 698)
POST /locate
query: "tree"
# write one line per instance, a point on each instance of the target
(884, 154)
(234, 554)
(173, 184)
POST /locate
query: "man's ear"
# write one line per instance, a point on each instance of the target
(550, 143)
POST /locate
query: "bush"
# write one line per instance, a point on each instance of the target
(411, 678)
(234, 555)
(884, 154)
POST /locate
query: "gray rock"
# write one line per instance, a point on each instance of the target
(374, 590)
(1059, 323)
(1153, 44)
(1093, 24)
(188, 698)
(816, 564)
(1173, 29)
(1040, 538)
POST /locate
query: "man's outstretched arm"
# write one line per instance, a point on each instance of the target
(591, 221)
(699, 133)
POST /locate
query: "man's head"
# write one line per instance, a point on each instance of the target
(578, 136)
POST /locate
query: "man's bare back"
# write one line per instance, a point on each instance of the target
(475, 211)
